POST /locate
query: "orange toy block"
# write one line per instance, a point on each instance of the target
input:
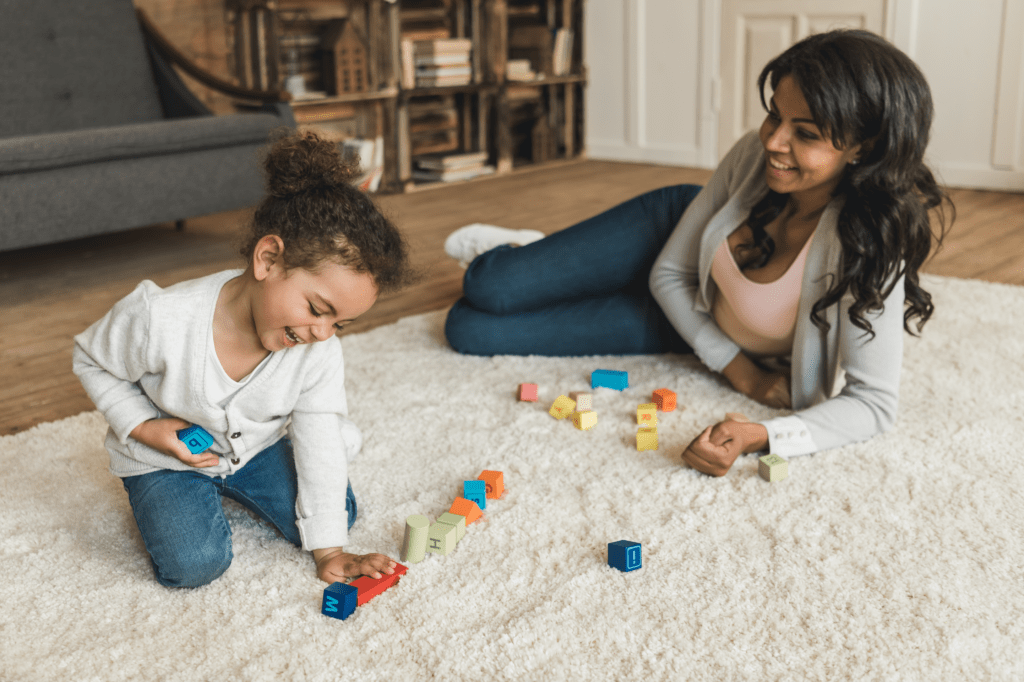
(562, 407)
(467, 508)
(664, 399)
(647, 414)
(528, 392)
(585, 420)
(370, 588)
(495, 481)
(647, 439)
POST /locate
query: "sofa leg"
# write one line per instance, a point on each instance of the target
(179, 225)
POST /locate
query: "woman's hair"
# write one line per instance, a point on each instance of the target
(312, 205)
(862, 90)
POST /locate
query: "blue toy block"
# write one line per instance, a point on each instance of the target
(476, 491)
(609, 378)
(196, 438)
(340, 601)
(624, 555)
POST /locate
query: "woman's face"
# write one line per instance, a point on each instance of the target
(801, 160)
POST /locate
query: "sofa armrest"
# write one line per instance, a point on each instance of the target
(160, 45)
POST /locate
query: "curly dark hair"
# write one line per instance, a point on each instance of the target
(312, 205)
(862, 90)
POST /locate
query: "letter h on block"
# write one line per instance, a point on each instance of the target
(624, 555)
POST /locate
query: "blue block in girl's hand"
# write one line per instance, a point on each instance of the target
(196, 439)
(476, 491)
(340, 601)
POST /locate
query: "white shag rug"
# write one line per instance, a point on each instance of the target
(896, 559)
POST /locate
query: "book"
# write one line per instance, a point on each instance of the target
(452, 175)
(408, 65)
(448, 46)
(438, 71)
(441, 81)
(441, 59)
(452, 161)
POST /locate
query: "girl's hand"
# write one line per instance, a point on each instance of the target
(767, 388)
(162, 436)
(717, 447)
(333, 565)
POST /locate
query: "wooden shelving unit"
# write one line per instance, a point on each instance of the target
(423, 96)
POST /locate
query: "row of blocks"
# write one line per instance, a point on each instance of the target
(440, 537)
(662, 400)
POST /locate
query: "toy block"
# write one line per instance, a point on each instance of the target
(495, 481)
(735, 417)
(647, 414)
(585, 421)
(528, 392)
(609, 378)
(772, 467)
(584, 401)
(562, 407)
(624, 555)
(369, 587)
(467, 508)
(196, 439)
(476, 491)
(340, 601)
(454, 520)
(414, 545)
(664, 399)
(442, 538)
(647, 438)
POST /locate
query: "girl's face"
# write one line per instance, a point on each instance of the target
(292, 307)
(801, 161)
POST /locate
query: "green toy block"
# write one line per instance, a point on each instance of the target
(414, 546)
(441, 538)
(454, 520)
(772, 467)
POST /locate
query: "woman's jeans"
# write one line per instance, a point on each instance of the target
(182, 520)
(580, 291)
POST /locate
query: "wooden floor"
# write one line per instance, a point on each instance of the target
(48, 294)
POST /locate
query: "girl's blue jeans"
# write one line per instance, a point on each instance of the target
(580, 291)
(182, 520)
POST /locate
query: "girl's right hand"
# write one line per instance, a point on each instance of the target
(162, 436)
(767, 388)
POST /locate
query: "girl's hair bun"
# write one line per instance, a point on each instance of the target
(304, 161)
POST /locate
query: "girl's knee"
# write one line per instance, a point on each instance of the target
(200, 567)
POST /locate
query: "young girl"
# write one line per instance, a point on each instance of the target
(796, 264)
(250, 356)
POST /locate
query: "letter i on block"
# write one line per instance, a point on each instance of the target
(624, 555)
(772, 467)
(339, 601)
(476, 491)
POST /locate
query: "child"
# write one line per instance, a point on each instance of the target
(796, 266)
(250, 356)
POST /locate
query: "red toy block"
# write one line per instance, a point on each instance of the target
(467, 508)
(370, 588)
(664, 399)
(495, 481)
(528, 392)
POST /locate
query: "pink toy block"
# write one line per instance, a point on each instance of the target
(528, 392)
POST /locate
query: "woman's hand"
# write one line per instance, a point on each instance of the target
(334, 565)
(767, 388)
(717, 447)
(162, 436)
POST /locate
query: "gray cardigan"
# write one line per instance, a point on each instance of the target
(146, 359)
(828, 413)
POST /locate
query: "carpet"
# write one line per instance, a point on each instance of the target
(896, 559)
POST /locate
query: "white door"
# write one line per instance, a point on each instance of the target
(755, 31)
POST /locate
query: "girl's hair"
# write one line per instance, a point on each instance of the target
(312, 205)
(863, 90)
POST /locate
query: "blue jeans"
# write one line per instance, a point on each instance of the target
(580, 291)
(182, 520)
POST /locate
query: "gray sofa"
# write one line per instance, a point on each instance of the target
(99, 134)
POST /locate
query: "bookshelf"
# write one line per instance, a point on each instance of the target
(449, 90)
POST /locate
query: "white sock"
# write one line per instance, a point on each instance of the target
(466, 243)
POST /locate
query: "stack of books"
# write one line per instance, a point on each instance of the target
(561, 55)
(436, 63)
(519, 70)
(451, 167)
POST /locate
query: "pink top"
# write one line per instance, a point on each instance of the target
(760, 318)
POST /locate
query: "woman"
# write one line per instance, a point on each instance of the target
(794, 268)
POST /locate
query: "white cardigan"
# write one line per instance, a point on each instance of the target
(681, 283)
(147, 358)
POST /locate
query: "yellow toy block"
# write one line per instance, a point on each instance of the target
(584, 401)
(495, 481)
(772, 467)
(647, 438)
(585, 420)
(647, 414)
(414, 546)
(562, 407)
